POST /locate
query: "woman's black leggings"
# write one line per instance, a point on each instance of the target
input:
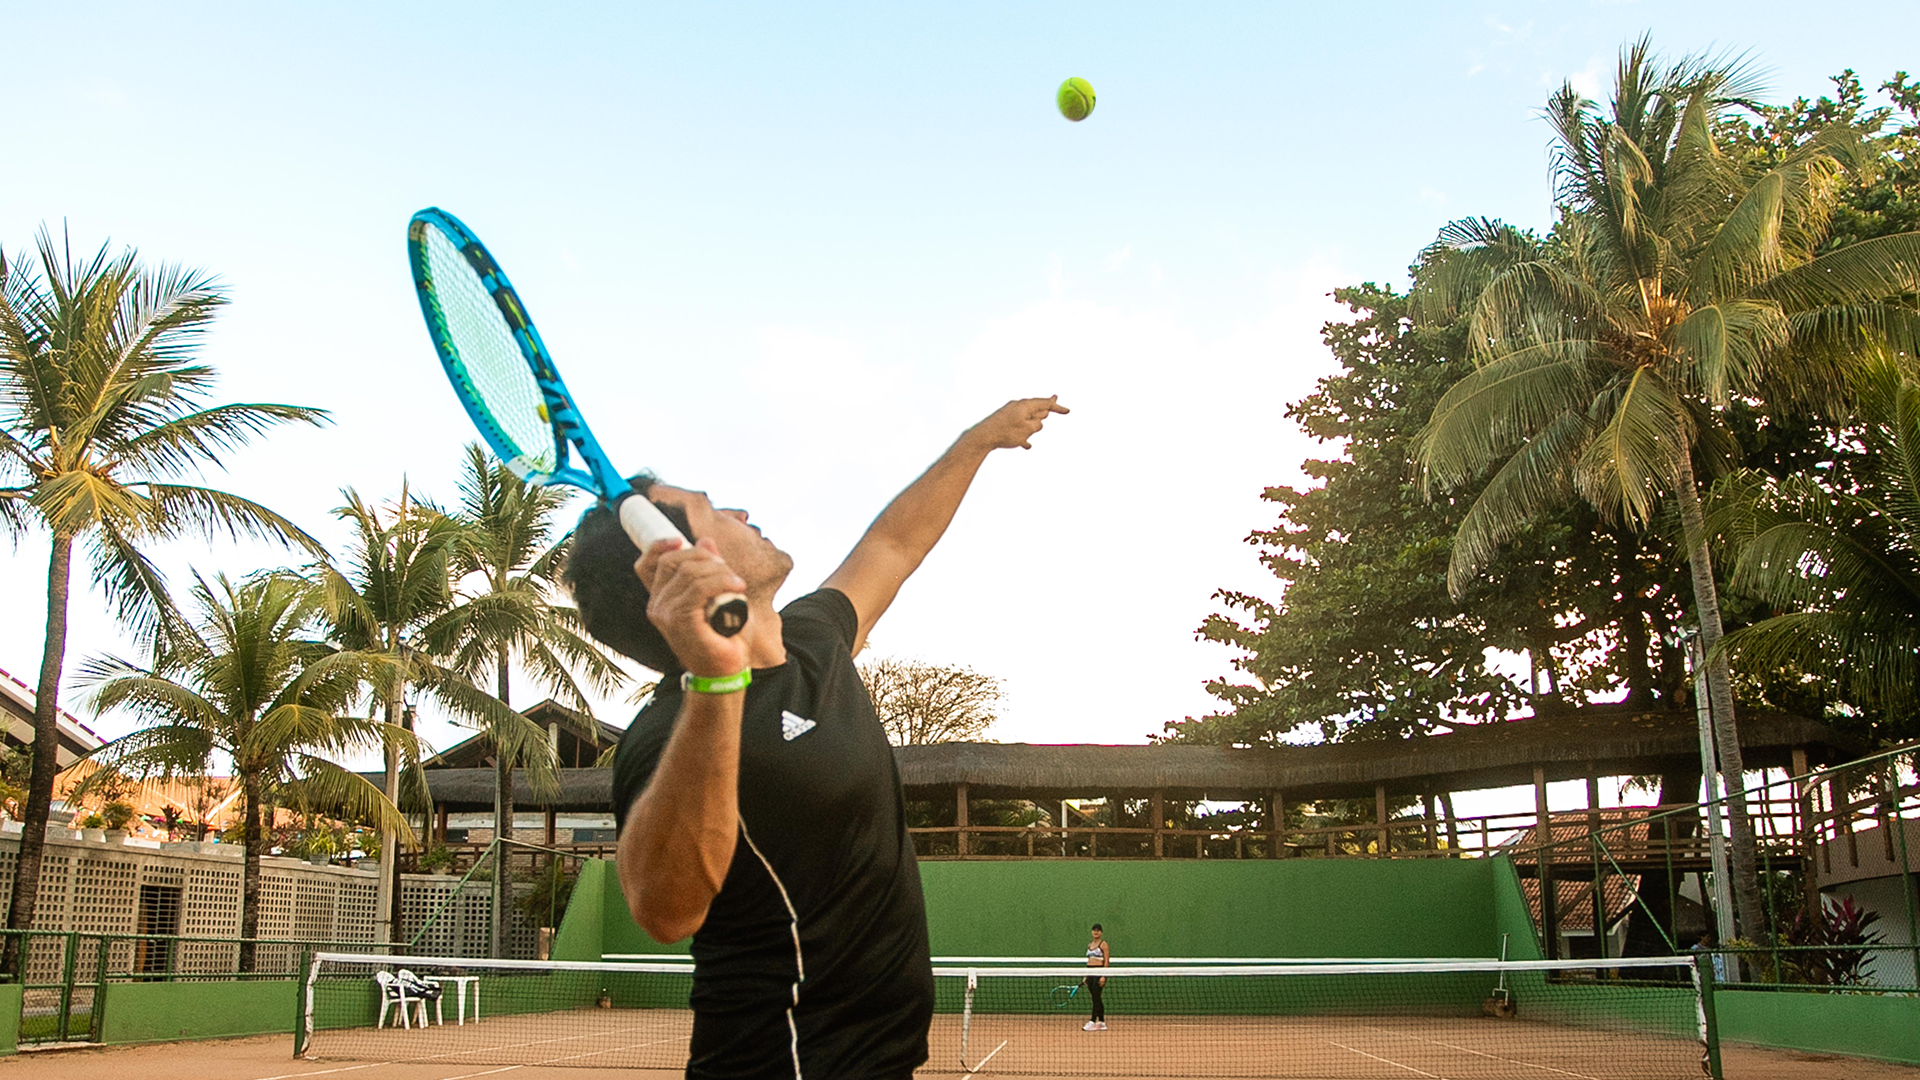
(1099, 1007)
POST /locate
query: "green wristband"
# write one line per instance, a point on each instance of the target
(718, 684)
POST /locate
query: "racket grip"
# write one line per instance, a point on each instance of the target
(646, 526)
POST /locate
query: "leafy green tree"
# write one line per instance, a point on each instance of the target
(102, 411)
(249, 679)
(1365, 641)
(1677, 282)
(1839, 560)
(1880, 195)
(506, 571)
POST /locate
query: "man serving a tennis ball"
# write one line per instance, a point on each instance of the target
(760, 809)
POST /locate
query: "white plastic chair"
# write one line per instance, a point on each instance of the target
(419, 989)
(394, 992)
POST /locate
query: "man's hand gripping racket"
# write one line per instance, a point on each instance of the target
(508, 383)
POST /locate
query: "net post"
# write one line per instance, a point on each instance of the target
(303, 1024)
(1703, 988)
(966, 1016)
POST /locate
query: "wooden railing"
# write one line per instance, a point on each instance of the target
(1676, 834)
(1827, 813)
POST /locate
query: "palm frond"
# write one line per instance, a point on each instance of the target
(1496, 406)
(154, 697)
(135, 589)
(323, 785)
(180, 507)
(1725, 347)
(166, 751)
(1535, 480)
(1877, 664)
(202, 437)
(1634, 455)
(1869, 271)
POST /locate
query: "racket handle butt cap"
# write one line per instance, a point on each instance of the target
(727, 614)
(646, 526)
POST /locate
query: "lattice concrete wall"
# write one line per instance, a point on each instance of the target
(94, 888)
(459, 921)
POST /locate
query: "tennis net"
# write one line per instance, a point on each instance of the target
(1623, 1019)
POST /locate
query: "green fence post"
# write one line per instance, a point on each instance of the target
(1704, 985)
(69, 957)
(302, 1017)
(98, 1012)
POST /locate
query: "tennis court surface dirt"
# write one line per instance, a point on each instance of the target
(268, 1057)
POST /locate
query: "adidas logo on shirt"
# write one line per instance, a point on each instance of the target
(792, 727)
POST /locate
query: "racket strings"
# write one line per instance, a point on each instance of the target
(491, 367)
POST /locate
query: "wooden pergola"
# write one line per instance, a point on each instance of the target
(1582, 744)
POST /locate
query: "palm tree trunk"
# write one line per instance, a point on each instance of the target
(503, 818)
(386, 895)
(46, 751)
(250, 872)
(1749, 913)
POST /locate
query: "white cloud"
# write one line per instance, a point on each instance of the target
(1592, 81)
(1118, 259)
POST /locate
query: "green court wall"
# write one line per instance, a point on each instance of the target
(169, 1011)
(582, 932)
(10, 1000)
(1238, 907)
(1885, 1026)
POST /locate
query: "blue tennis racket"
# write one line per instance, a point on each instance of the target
(506, 380)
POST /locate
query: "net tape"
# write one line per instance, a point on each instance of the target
(1637, 1019)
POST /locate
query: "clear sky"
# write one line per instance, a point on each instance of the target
(786, 252)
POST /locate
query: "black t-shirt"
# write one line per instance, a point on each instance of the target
(813, 959)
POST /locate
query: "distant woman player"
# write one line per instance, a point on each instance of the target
(1099, 954)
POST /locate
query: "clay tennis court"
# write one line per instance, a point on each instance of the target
(1164, 1048)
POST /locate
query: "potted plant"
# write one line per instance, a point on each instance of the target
(366, 844)
(320, 844)
(437, 860)
(116, 815)
(92, 827)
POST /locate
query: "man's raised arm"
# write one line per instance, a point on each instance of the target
(680, 833)
(914, 521)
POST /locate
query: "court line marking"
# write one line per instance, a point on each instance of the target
(1386, 1061)
(446, 1056)
(611, 1050)
(1479, 1053)
(341, 1069)
(989, 1057)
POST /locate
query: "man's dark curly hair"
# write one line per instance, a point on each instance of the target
(612, 602)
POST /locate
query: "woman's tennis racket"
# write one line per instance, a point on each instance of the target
(511, 389)
(1062, 996)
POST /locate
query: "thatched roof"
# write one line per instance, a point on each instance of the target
(582, 738)
(468, 790)
(1596, 740)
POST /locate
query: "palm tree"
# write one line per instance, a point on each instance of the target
(101, 410)
(395, 597)
(249, 679)
(1676, 281)
(1841, 560)
(505, 572)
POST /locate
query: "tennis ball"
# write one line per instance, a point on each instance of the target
(1075, 98)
